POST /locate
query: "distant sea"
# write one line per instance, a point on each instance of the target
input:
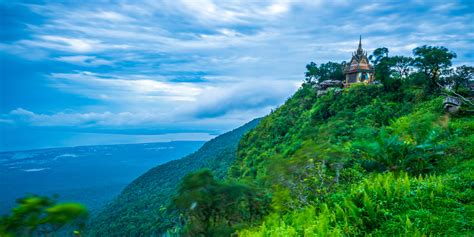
(91, 175)
(19, 138)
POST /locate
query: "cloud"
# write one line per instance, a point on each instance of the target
(112, 16)
(138, 88)
(36, 169)
(84, 60)
(257, 95)
(234, 103)
(122, 122)
(211, 98)
(207, 63)
(216, 12)
(62, 43)
(69, 44)
(443, 7)
(209, 28)
(91, 119)
(6, 121)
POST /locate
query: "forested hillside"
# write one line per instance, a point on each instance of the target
(388, 158)
(236, 118)
(141, 209)
(381, 159)
(361, 162)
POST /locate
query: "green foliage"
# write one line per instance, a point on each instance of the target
(413, 143)
(401, 66)
(384, 72)
(433, 70)
(459, 78)
(369, 160)
(325, 71)
(378, 55)
(37, 215)
(372, 160)
(380, 205)
(142, 207)
(212, 208)
(378, 113)
(433, 62)
(277, 127)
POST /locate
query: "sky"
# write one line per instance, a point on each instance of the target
(104, 72)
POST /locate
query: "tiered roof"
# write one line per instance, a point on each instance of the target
(359, 61)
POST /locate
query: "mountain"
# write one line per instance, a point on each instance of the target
(363, 160)
(389, 157)
(141, 208)
(91, 175)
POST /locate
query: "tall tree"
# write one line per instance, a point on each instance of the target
(433, 61)
(325, 71)
(378, 55)
(211, 208)
(384, 68)
(460, 77)
(402, 65)
(332, 71)
(311, 73)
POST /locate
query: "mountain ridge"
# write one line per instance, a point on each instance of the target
(142, 204)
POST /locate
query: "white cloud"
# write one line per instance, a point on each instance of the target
(36, 169)
(138, 88)
(112, 16)
(445, 7)
(277, 8)
(232, 103)
(241, 97)
(90, 119)
(68, 44)
(84, 60)
(210, 62)
(63, 43)
(145, 120)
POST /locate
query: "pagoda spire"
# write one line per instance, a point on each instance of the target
(359, 49)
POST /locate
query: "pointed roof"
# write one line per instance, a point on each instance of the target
(359, 53)
(359, 60)
(359, 49)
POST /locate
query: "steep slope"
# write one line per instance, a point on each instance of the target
(141, 208)
(361, 161)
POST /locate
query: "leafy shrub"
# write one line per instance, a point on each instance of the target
(382, 204)
(37, 215)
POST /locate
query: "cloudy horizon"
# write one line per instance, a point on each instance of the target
(187, 69)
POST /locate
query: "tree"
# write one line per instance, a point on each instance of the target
(311, 72)
(389, 70)
(433, 61)
(383, 73)
(196, 199)
(402, 65)
(332, 71)
(460, 78)
(326, 71)
(377, 55)
(212, 208)
(384, 67)
(37, 215)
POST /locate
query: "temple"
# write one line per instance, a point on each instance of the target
(359, 69)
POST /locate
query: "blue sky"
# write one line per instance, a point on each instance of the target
(98, 72)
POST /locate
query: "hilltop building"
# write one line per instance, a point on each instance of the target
(359, 69)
